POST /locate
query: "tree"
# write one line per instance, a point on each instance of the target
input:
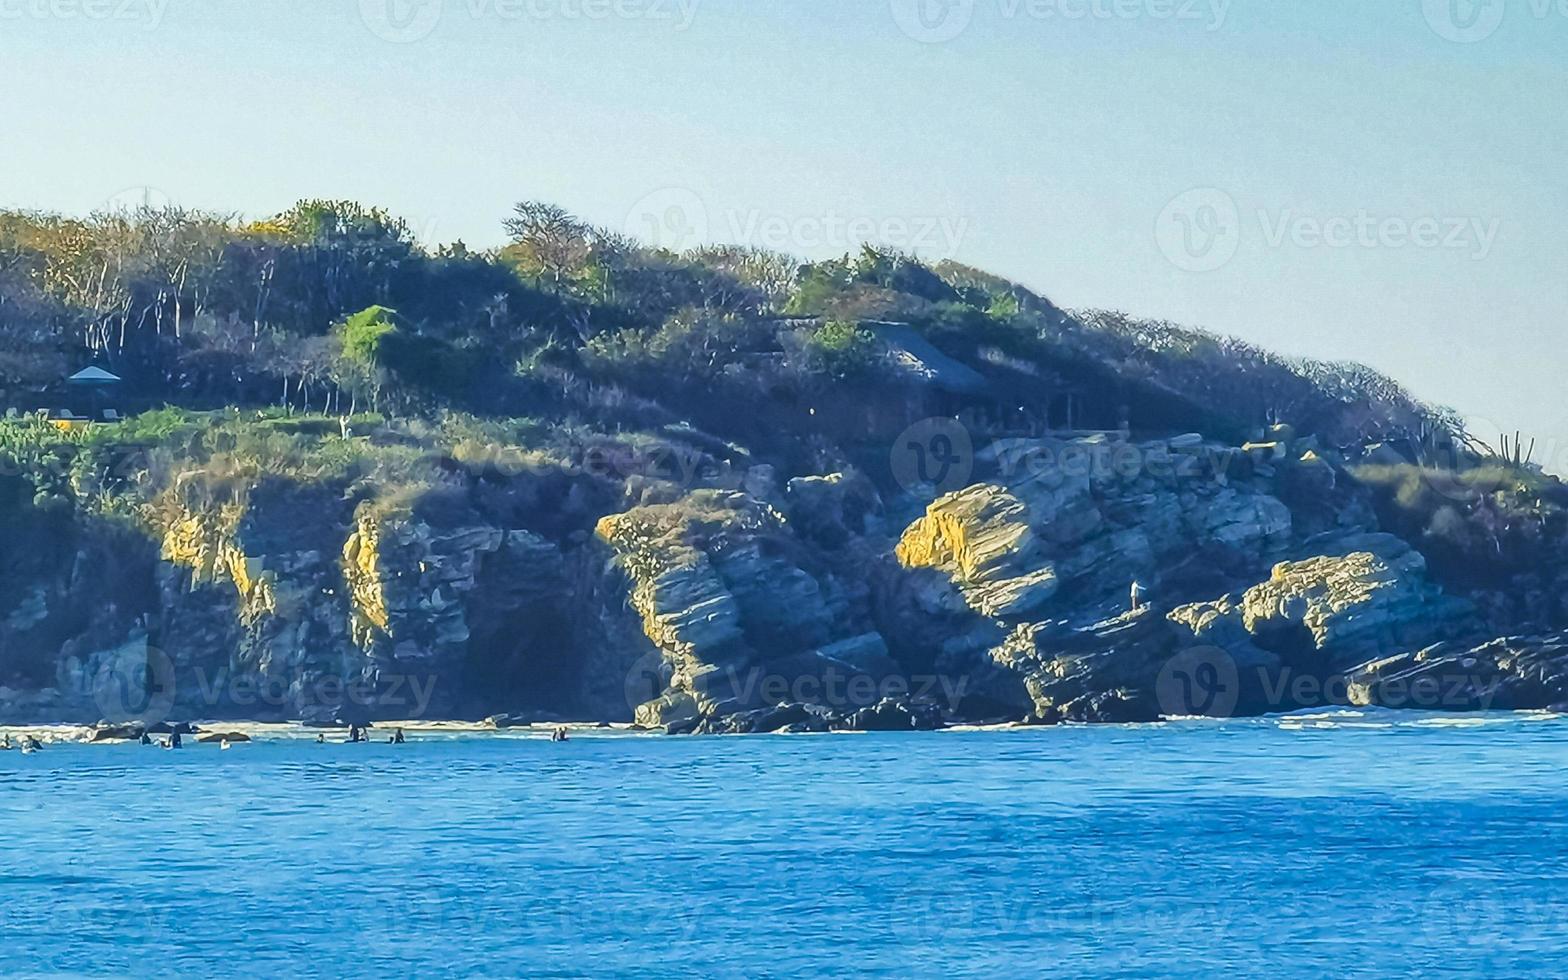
(549, 244)
(772, 274)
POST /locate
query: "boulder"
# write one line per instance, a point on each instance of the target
(982, 540)
(668, 709)
(210, 738)
(1363, 595)
(735, 607)
(117, 733)
(831, 510)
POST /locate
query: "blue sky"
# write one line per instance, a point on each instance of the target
(1380, 181)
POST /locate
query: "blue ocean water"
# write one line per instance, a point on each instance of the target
(1336, 844)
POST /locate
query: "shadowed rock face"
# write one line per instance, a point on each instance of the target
(276, 610)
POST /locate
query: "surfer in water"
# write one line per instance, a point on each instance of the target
(559, 735)
(397, 737)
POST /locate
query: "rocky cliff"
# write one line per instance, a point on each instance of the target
(748, 606)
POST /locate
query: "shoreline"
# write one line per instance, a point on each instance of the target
(1309, 720)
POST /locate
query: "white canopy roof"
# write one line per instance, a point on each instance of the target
(93, 375)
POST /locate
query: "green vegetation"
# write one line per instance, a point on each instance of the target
(1480, 525)
(363, 334)
(326, 347)
(841, 349)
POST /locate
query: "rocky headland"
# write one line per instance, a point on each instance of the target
(756, 605)
(318, 472)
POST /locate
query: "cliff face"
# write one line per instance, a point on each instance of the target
(820, 604)
(289, 606)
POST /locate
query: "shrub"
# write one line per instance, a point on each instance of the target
(842, 349)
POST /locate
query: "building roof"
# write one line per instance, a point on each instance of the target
(93, 376)
(917, 358)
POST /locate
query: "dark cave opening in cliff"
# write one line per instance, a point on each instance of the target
(528, 663)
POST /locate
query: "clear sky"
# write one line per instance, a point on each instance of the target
(1378, 180)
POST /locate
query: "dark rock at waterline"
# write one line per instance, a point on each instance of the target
(682, 726)
(212, 737)
(784, 716)
(117, 733)
(893, 715)
(1119, 707)
(888, 715)
(760, 721)
(521, 720)
(1049, 715)
(1510, 674)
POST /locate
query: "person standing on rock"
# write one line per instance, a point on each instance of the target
(1139, 596)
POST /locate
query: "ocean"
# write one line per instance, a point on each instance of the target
(1339, 843)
